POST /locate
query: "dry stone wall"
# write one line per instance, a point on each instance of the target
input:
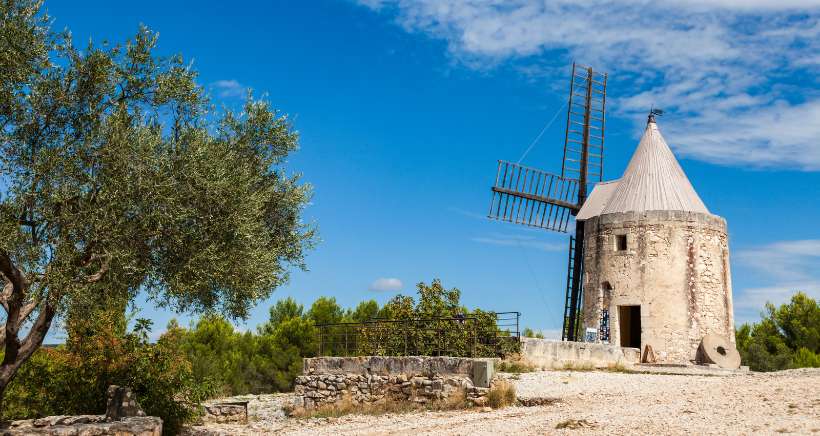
(86, 425)
(675, 267)
(123, 417)
(373, 379)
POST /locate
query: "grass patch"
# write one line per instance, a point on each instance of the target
(502, 394)
(576, 366)
(618, 367)
(514, 366)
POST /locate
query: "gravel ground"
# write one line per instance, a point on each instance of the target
(592, 403)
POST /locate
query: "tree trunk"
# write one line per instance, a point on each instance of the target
(3, 385)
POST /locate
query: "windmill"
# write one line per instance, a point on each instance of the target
(536, 198)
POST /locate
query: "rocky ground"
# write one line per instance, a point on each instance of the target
(590, 403)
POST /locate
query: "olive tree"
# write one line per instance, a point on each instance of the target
(118, 176)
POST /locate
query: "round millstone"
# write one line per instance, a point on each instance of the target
(718, 350)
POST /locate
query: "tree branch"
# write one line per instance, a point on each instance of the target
(38, 332)
(8, 287)
(106, 261)
(25, 312)
(14, 306)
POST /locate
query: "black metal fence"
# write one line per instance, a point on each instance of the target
(485, 335)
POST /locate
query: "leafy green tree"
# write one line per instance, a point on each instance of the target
(786, 337)
(213, 349)
(463, 333)
(798, 322)
(118, 176)
(437, 301)
(325, 310)
(283, 310)
(365, 311)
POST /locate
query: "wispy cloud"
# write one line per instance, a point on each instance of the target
(784, 267)
(738, 78)
(229, 89)
(467, 213)
(386, 285)
(522, 241)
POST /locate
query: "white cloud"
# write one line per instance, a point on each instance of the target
(784, 267)
(386, 285)
(229, 88)
(522, 241)
(753, 299)
(724, 70)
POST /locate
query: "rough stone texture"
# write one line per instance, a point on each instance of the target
(483, 371)
(86, 425)
(557, 354)
(718, 351)
(676, 267)
(388, 365)
(123, 417)
(226, 412)
(370, 379)
(121, 403)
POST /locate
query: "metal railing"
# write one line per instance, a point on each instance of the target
(490, 335)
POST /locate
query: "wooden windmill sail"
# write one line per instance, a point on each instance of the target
(536, 198)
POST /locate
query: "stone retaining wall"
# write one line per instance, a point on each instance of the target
(123, 417)
(557, 354)
(373, 379)
(86, 425)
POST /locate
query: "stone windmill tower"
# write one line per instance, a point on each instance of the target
(656, 261)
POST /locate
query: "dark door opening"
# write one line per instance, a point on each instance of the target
(629, 320)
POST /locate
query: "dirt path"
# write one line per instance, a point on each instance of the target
(600, 403)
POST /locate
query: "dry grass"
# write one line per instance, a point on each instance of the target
(502, 394)
(619, 367)
(586, 366)
(574, 424)
(577, 366)
(515, 366)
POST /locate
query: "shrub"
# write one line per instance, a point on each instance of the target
(72, 379)
(501, 394)
(529, 333)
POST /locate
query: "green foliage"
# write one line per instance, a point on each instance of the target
(435, 325)
(787, 337)
(73, 378)
(326, 311)
(241, 363)
(119, 176)
(282, 311)
(365, 311)
(529, 333)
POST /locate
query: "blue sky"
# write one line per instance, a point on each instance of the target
(404, 107)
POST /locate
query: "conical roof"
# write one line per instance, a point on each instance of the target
(653, 180)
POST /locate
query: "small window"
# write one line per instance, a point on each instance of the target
(620, 242)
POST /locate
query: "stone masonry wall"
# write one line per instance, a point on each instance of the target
(123, 417)
(372, 379)
(676, 267)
